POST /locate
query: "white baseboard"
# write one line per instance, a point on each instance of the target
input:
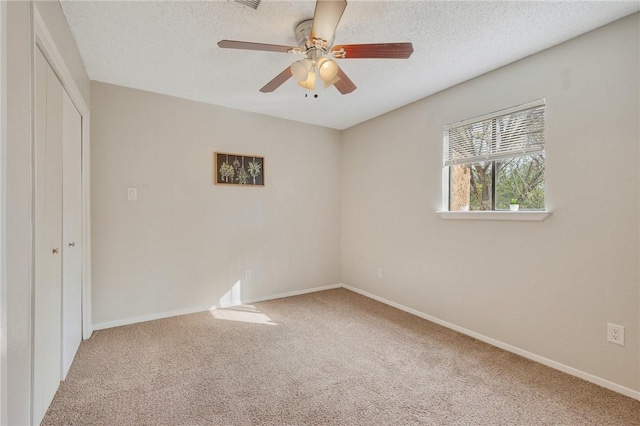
(542, 360)
(150, 317)
(193, 310)
(293, 293)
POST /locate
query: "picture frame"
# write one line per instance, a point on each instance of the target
(238, 169)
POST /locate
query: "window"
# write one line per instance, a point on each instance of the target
(494, 159)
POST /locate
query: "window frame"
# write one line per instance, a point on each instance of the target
(493, 214)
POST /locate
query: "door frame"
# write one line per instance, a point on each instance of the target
(44, 40)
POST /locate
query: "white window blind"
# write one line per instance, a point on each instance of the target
(509, 133)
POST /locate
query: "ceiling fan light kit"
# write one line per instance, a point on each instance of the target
(305, 71)
(315, 41)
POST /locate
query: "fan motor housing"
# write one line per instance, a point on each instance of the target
(302, 33)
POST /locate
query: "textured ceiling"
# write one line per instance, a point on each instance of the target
(170, 47)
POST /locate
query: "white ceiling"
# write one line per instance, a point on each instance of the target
(170, 47)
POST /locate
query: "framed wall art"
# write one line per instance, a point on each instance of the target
(238, 169)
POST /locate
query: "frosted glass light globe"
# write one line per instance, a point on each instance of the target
(300, 69)
(327, 69)
(310, 82)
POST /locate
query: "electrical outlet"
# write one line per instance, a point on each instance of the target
(380, 273)
(615, 333)
(247, 274)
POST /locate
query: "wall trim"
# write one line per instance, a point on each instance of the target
(507, 347)
(193, 310)
(44, 40)
(522, 215)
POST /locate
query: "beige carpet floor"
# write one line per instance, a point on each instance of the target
(327, 358)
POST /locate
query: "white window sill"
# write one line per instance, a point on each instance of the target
(496, 215)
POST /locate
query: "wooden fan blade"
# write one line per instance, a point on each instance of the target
(233, 44)
(344, 85)
(376, 50)
(277, 81)
(326, 19)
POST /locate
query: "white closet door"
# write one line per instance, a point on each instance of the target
(71, 232)
(48, 237)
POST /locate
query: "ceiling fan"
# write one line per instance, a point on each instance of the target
(315, 41)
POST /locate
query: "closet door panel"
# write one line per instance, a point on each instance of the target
(71, 233)
(48, 236)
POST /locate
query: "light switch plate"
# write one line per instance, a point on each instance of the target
(132, 194)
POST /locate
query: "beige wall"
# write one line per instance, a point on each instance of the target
(186, 242)
(546, 287)
(18, 285)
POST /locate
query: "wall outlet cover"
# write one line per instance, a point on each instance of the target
(615, 333)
